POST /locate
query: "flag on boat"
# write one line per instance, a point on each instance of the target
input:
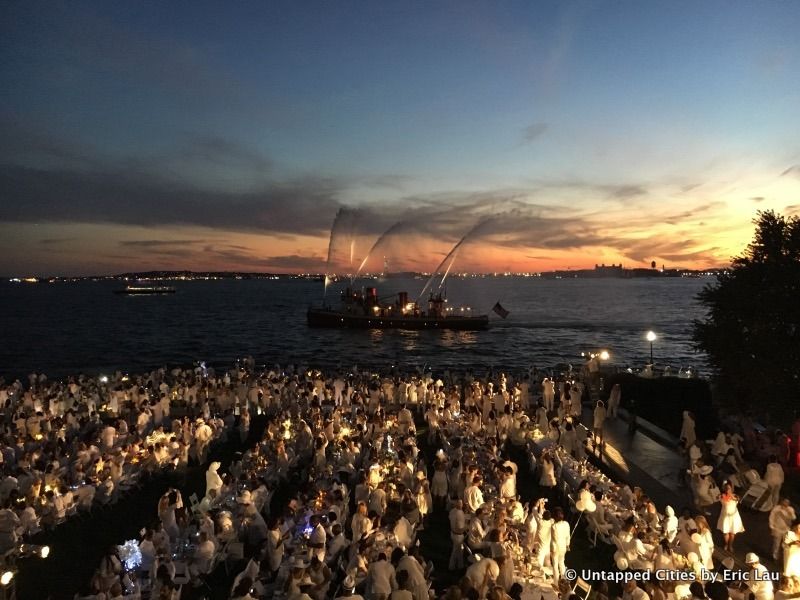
(500, 310)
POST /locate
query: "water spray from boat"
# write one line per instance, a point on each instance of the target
(392, 230)
(344, 223)
(451, 256)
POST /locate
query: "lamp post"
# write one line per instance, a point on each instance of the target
(651, 337)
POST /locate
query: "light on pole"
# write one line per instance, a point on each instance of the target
(651, 337)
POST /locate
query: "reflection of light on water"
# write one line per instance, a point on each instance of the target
(410, 339)
(457, 338)
(467, 337)
(376, 335)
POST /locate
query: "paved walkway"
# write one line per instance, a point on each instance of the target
(640, 460)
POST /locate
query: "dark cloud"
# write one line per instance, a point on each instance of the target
(157, 243)
(26, 144)
(55, 241)
(707, 254)
(296, 261)
(226, 152)
(389, 181)
(624, 192)
(533, 132)
(793, 170)
(620, 191)
(304, 206)
(653, 248)
(678, 219)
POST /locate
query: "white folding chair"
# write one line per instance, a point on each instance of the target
(582, 589)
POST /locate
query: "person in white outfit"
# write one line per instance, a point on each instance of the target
(781, 518)
(774, 477)
(559, 544)
(381, 578)
(213, 480)
(482, 574)
(670, 524)
(687, 429)
(613, 400)
(758, 579)
(791, 552)
(544, 531)
(729, 522)
(598, 418)
(548, 393)
(458, 527)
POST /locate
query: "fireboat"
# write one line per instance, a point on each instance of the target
(365, 310)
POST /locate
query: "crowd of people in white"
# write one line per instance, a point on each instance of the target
(71, 446)
(330, 501)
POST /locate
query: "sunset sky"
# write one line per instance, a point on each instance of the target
(228, 136)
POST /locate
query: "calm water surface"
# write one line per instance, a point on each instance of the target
(65, 328)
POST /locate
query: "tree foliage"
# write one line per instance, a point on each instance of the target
(751, 332)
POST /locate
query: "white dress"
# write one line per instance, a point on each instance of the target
(729, 519)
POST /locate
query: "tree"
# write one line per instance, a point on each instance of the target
(751, 332)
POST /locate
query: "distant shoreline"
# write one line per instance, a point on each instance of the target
(597, 273)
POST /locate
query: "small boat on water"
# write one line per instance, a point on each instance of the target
(145, 289)
(364, 310)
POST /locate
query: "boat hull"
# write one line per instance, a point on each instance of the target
(320, 317)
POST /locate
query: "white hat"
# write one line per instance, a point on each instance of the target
(706, 470)
(751, 558)
(696, 538)
(349, 582)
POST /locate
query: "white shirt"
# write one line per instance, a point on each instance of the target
(774, 474)
(561, 536)
(508, 489)
(478, 571)
(474, 497)
(760, 584)
(781, 519)
(382, 577)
